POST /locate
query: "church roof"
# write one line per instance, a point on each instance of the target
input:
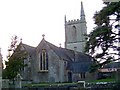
(58, 50)
(64, 53)
(80, 67)
(77, 61)
(30, 50)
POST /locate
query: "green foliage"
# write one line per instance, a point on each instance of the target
(14, 65)
(104, 38)
(15, 59)
(103, 80)
(102, 17)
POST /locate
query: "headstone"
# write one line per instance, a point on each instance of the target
(18, 82)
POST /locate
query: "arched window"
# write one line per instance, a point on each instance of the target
(82, 75)
(74, 33)
(43, 61)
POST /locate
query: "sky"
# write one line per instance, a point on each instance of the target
(29, 19)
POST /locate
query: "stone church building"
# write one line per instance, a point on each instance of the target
(49, 63)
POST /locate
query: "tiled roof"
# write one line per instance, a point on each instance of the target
(79, 67)
(62, 52)
(58, 50)
(112, 65)
(68, 54)
(78, 62)
(30, 50)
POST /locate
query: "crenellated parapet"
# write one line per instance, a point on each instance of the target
(75, 21)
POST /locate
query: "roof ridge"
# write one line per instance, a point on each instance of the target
(28, 45)
(29, 49)
(57, 48)
(48, 43)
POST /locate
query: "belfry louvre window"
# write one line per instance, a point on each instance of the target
(74, 33)
(44, 61)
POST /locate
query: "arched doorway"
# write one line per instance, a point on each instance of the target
(69, 76)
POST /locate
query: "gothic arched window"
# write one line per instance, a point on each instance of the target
(43, 60)
(74, 33)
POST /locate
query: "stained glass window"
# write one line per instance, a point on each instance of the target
(43, 60)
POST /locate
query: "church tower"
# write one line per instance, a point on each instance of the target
(75, 31)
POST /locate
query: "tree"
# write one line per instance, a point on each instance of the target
(103, 41)
(14, 43)
(15, 61)
(14, 65)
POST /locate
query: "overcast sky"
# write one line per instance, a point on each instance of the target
(29, 19)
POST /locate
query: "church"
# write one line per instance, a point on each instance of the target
(49, 63)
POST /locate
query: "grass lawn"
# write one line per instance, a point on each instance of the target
(48, 84)
(103, 80)
(65, 84)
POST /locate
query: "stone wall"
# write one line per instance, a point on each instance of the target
(56, 67)
(0, 70)
(55, 71)
(91, 76)
(5, 83)
(75, 35)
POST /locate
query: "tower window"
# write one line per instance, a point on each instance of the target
(74, 33)
(44, 61)
(74, 28)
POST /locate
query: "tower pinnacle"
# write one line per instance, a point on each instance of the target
(82, 15)
(65, 18)
(75, 31)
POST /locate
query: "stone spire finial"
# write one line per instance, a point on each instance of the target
(21, 40)
(65, 18)
(60, 44)
(82, 15)
(43, 36)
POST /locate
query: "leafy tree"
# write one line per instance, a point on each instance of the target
(14, 43)
(14, 65)
(103, 41)
(15, 60)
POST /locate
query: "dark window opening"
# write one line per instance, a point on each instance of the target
(43, 61)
